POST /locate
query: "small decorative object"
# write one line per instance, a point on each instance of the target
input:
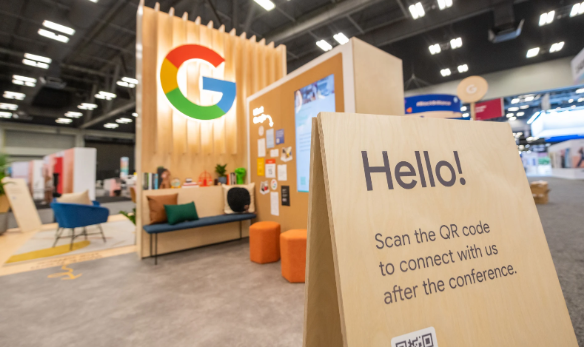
(130, 215)
(163, 178)
(175, 183)
(240, 175)
(205, 179)
(4, 204)
(220, 170)
(238, 199)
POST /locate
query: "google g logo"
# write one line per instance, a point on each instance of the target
(168, 80)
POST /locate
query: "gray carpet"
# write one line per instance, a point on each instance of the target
(214, 296)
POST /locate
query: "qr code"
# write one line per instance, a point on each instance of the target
(421, 338)
(421, 341)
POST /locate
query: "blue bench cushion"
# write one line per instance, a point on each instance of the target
(202, 222)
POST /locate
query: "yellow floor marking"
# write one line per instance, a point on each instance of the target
(66, 275)
(48, 252)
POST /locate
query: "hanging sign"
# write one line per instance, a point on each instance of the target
(432, 103)
(422, 234)
(489, 109)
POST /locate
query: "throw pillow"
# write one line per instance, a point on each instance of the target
(181, 213)
(249, 187)
(76, 198)
(238, 199)
(156, 204)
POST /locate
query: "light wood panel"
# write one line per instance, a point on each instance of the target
(522, 306)
(21, 204)
(185, 146)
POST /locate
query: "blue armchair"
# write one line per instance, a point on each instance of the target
(71, 216)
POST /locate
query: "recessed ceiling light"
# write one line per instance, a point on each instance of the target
(515, 101)
(13, 95)
(10, 107)
(435, 49)
(509, 115)
(465, 115)
(52, 35)
(266, 4)
(73, 114)
(523, 107)
(135, 114)
(5, 114)
(37, 58)
(58, 27)
(417, 10)
(571, 101)
(462, 68)
(35, 63)
(445, 72)
(547, 18)
(513, 109)
(463, 108)
(533, 52)
(87, 106)
(513, 118)
(64, 120)
(581, 99)
(341, 38)
(556, 47)
(529, 98)
(580, 91)
(577, 9)
(519, 114)
(444, 4)
(123, 120)
(111, 125)
(456, 43)
(105, 95)
(325, 46)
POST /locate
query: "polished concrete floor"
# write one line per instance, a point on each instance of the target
(214, 296)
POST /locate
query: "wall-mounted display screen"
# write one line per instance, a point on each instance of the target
(308, 102)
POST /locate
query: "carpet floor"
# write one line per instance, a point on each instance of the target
(214, 296)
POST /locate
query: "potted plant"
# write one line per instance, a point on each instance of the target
(4, 204)
(220, 170)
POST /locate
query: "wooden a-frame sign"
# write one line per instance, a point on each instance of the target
(424, 233)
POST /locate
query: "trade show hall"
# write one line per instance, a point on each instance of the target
(399, 173)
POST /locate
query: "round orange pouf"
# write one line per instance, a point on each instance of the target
(293, 249)
(264, 242)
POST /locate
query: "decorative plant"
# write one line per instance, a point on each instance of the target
(130, 215)
(220, 170)
(3, 166)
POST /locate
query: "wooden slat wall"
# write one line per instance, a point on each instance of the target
(185, 146)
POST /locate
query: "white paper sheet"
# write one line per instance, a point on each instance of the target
(283, 172)
(270, 170)
(261, 148)
(274, 153)
(274, 204)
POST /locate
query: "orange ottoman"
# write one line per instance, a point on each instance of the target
(264, 242)
(293, 248)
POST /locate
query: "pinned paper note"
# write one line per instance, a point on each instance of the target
(274, 184)
(261, 148)
(270, 170)
(270, 138)
(261, 167)
(275, 203)
(283, 172)
(279, 136)
(286, 154)
(264, 187)
(274, 153)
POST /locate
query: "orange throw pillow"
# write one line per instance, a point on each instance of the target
(156, 204)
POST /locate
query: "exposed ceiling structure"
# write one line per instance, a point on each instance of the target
(101, 51)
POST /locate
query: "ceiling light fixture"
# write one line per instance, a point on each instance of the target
(5, 114)
(266, 4)
(87, 106)
(52, 35)
(111, 125)
(529, 98)
(581, 99)
(445, 72)
(73, 114)
(523, 107)
(10, 107)
(515, 101)
(456, 43)
(513, 109)
(463, 108)
(341, 38)
(23, 81)
(105, 95)
(571, 101)
(513, 118)
(532, 52)
(509, 115)
(325, 46)
(577, 9)
(465, 115)
(135, 114)
(435, 49)
(519, 114)
(556, 47)
(58, 27)
(417, 10)
(547, 18)
(63, 120)
(580, 91)
(444, 4)
(123, 120)
(462, 68)
(130, 80)
(37, 58)
(125, 84)
(13, 95)
(35, 63)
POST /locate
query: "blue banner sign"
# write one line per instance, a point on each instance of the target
(432, 103)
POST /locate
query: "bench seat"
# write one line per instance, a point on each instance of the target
(202, 222)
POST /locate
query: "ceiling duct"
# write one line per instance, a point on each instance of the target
(506, 28)
(52, 82)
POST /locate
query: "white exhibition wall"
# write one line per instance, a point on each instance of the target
(522, 80)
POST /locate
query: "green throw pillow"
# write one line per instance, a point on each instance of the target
(181, 213)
